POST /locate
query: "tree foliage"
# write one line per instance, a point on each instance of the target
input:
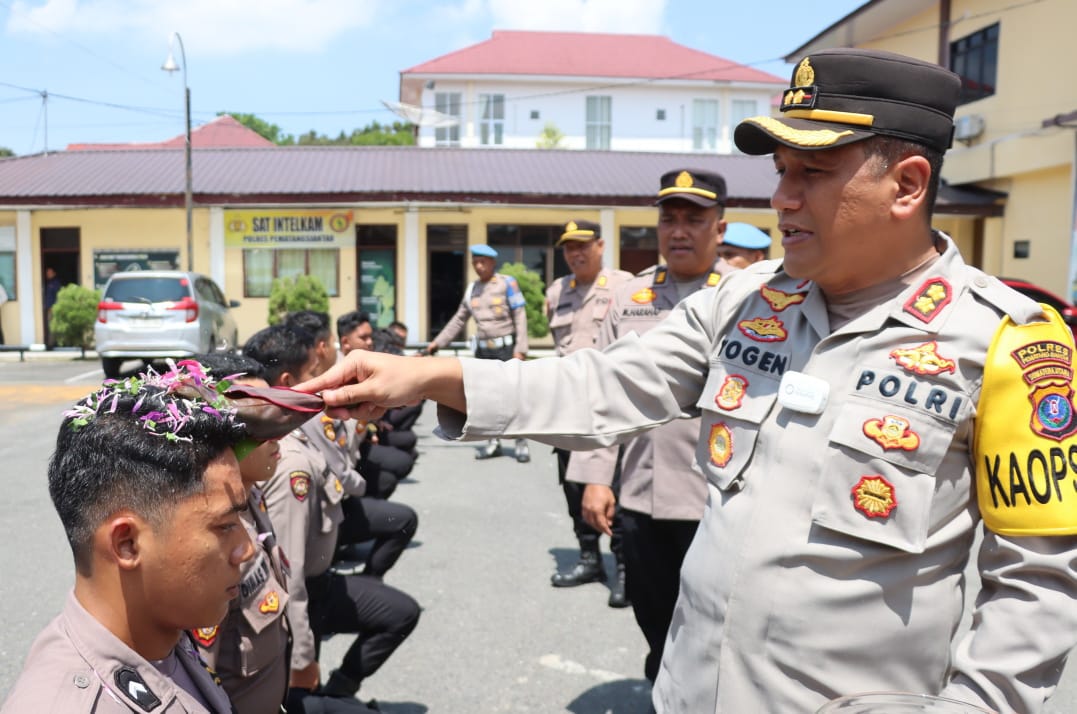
(73, 316)
(260, 126)
(6, 152)
(534, 297)
(305, 292)
(550, 138)
(374, 134)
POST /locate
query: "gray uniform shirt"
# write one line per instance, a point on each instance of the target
(790, 593)
(76, 665)
(303, 498)
(498, 308)
(659, 476)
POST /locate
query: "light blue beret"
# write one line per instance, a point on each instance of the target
(745, 235)
(483, 250)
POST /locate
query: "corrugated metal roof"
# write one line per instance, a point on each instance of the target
(402, 173)
(577, 54)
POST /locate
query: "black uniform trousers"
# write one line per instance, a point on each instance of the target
(383, 467)
(390, 525)
(585, 533)
(653, 552)
(381, 616)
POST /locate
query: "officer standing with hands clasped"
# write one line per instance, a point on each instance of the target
(576, 304)
(497, 304)
(867, 403)
(661, 494)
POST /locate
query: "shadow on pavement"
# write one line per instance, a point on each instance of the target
(625, 696)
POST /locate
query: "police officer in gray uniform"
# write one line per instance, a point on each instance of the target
(497, 304)
(866, 403)
(661, 493)
(576, 305)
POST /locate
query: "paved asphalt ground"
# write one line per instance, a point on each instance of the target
(494, 636)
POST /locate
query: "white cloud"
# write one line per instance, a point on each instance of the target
(617, 16)
(220, 27)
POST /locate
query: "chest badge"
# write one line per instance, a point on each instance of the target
(720, 444)
(270, 603)
(327, 427)
(300, 483)
(874, 496)
(731, 394)
(644, 296)
(205, 636)
(923, 359)
(763, 329)
(779, 300)
(929, 300)
(892, 432)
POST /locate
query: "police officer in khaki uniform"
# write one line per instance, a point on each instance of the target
(866, 403)
(497, 304)
(575, 307)
(661, 494)
(743, 244)
(150, 505)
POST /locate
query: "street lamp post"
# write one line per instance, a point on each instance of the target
(171, 66)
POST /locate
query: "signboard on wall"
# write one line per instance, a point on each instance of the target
(107, 262)
(377, 285)
(288, 229)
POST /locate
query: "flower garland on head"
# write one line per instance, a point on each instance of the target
(182, 391)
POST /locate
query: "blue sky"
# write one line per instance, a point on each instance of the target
(309, 64)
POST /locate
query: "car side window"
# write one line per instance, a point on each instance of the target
(218, 294)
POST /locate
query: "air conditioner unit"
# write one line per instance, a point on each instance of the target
(968, 127)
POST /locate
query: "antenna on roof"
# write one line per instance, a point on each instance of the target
(420, 116)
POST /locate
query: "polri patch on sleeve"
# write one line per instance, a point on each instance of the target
(300, 482)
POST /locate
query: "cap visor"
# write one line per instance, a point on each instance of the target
(760, 135)
(690, 197)
(573, 239)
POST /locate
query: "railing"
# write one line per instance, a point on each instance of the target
(23, 349)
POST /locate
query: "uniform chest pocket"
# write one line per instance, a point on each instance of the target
(732, 407)
(878, 477)
(332, 495)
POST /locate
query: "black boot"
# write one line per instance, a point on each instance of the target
(588, 569)
(618, 597)
(340, 685)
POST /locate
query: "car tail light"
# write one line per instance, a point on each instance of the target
(189, 305)
(104, 307)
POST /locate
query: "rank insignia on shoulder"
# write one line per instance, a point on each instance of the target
(300, 482)
(923, 359)
(874, 496)
(892, 432)
(270, 603)
(135, 688)
(713, 279)
(327, 427)
(778, 299)
(205, 636)
(644, 296)
(660, 276)
(929, 300)
(601, 282)
(720, 443)
(731, 394)
(337, 486)
(763, 329)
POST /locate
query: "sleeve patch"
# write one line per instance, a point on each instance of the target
(300, 482)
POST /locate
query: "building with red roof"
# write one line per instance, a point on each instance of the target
(596, 91)
(223, 132)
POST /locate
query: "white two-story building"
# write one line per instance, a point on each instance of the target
(571, 90)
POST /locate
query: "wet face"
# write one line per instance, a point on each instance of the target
(584, 258)
(260, 463)
(688, 237)
(834, 215)
(190, 563)
(361, 338)
(484, 266)
(739, 257)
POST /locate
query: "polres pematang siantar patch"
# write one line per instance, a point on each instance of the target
(300, 483)
(874, 496)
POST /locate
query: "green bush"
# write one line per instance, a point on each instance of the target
(73, 315)
(534, 295)
(306, 292)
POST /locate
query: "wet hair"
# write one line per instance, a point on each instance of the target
(350, 321)
(227, 364)
(279, 349)
(889, 150)
(132, 445)
(314, 322)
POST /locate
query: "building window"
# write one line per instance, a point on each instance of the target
(492, 121)
(261, 266)
(639, 248)
(599, 122)
(376, 255)
(534, 113)
(447, 103)
(531, 245)
(660, 115)
(704, 124)
(741, 109)
(7, 260)
(975, 59)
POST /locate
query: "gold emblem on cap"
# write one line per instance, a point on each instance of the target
(684, 180)
(805, 75)
(571, 227)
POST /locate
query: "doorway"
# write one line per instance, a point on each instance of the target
(447, 274)
(60, 253)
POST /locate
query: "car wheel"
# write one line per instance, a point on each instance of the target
(111, 367)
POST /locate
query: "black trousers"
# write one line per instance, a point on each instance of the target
(381, 616)
(383, 467)
(303, 701)
(585, 534)
(653, 551)
(390, 525)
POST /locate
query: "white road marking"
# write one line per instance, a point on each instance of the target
(84, 376)
(554, 661)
